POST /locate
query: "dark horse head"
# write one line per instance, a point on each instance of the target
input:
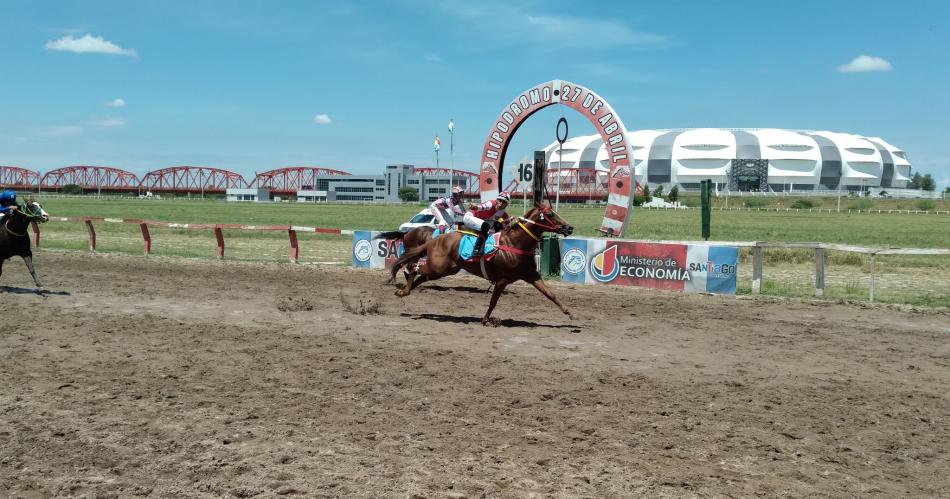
(18, 219)
(545, 218)
(14, 240)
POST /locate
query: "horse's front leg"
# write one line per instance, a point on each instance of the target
(488, 320)
(540, 285)
(29, 264)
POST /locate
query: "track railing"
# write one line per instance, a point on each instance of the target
(757, 248)
(218, 230)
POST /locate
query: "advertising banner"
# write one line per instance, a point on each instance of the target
(679, 267)
(374, 253)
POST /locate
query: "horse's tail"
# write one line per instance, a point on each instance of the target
(410, 255)
(393, 234)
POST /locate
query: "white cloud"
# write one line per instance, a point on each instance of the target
(507, 24)
(322, 119)
(117, 102)
(88, 44)
(578, 31)
(59, 130)
(12, 139)
(433, 58)
(865, 64)
(109, 121)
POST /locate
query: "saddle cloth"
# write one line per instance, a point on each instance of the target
(467, 245)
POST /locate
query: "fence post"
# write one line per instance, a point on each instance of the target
(92, 235)
(219, 236)
(872, 277)
(819, 272)
(294, 249)
(756, 270)
(36, 233)
(146, 238)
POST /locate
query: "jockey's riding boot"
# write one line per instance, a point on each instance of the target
(480, 242)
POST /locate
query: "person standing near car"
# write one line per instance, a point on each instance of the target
(445, 209)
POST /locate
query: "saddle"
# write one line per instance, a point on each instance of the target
(467, 245)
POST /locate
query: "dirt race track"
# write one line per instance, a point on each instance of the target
(171, 378)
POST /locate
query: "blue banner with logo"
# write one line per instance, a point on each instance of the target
(574, 260)
(721, 271)
(362, 248)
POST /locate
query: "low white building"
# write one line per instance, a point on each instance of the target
(254, 195)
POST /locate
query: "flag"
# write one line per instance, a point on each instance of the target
(437, 144)
(451, 126)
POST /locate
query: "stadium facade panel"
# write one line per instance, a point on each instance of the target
(749, 159)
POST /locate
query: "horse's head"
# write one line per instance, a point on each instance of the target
(33, 210)
(545, 218)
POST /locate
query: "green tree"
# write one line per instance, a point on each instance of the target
(674, 195)
(72, 189)
(658, 192)
(927, 183)
(409, 194)
(915, 181)
(647, 197)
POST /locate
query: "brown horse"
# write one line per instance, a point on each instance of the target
(512, 262)
(410, 240)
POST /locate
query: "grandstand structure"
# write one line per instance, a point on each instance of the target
(748, 159)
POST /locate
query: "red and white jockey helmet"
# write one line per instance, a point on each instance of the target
(504, 196)
(457, 191)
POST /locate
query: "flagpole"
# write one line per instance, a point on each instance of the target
(452, 142)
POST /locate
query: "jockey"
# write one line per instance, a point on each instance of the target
(7, 202)
(445, 209)
(481, 218)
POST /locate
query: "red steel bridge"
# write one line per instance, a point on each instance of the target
(576, 184)
(14, 177)
(289, 180)
(191, 179)
(91, 178)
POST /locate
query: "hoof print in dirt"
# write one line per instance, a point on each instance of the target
(362, 306)
(294, 304)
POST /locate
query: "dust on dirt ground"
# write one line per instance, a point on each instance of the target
(169, 377)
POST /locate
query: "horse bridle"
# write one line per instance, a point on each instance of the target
(30, 216)
(543, 226)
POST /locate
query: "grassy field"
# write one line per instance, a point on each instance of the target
(908, 279)
(903, 230)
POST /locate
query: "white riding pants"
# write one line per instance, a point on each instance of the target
(472, 222)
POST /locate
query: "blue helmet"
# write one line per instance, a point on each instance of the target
(7, 197)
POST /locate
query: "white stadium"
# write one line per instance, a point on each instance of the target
(750, 159)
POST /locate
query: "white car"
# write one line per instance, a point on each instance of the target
(424, 218)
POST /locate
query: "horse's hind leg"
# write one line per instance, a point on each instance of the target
(428, 272)
(410, 271)
(29, 264)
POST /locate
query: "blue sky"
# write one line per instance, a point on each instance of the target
(251, 86)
